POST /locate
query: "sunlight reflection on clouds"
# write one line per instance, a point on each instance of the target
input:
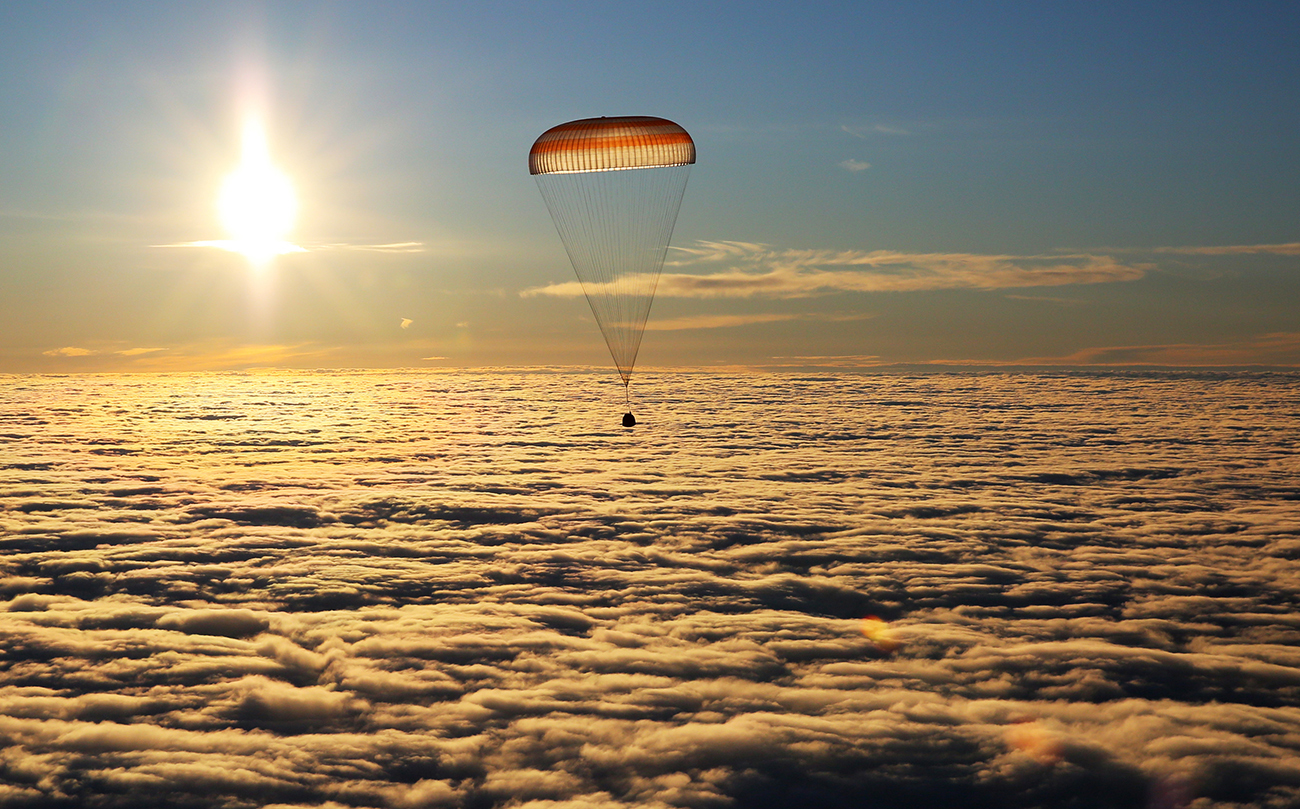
(388, 589)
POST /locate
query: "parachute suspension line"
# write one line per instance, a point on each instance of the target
(629, 420)
(614, 186)
(615, 226)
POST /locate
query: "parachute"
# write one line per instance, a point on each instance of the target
(613, 187)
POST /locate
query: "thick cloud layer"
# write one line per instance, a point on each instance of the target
(411, 590)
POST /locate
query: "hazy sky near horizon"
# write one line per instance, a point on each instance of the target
(946, 182)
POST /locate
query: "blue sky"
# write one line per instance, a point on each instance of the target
(975, 183)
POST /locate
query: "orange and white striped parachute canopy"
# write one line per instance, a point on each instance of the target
(609, 144)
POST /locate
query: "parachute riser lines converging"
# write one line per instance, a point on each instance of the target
(613, 187)
(615, 226)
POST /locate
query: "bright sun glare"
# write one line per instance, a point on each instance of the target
(257, 204)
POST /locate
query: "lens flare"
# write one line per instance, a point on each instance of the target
(1170, 792)
(1035, 741)
(881, 635)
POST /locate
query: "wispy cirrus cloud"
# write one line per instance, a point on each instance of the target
(277, 248)
(759, 270)
(78, 351)
(1048, 299)
(830, 360)
(715, 321)
(136, 352)
(390, 247)
(854, 166)
(874, 129)
(1280, 348)
(210, 356)
(281, 248)
(1286, 249)
(69, 351)
(730, 321)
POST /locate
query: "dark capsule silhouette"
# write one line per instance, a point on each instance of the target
(629, 420)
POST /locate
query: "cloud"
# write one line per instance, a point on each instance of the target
(136, 352)
(876, 129)
(204, 356)
(832, 360)
(854, 165)
(281, 248)
(1281, 348)
(390, 247)
(714, 321)
(757, 270)
(482, 592)
(233, 357)
(69, 351)
(1287, 249)
(731, 321)
(77, 351)
(276, 248)
(1048, 299)
(230, 623)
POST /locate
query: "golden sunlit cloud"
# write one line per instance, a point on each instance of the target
(831, 360)
(729, 321)
(136, 352)
(68, 351)
(224, 356)
(828, 357)
(78, 351)
(716, 321)
(392, 247)
(757, 270)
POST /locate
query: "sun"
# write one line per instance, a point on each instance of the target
(257, 203)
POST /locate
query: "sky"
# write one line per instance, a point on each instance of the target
(406, 590)
(943, 183)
